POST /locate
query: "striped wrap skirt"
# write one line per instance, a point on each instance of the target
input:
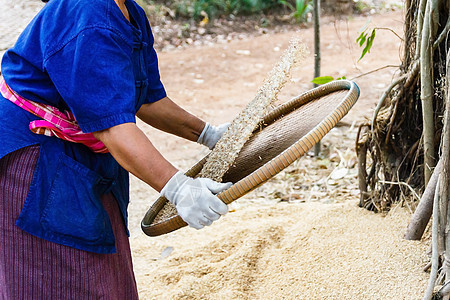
(33, 268)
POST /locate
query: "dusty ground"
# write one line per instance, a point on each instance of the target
(300, 236)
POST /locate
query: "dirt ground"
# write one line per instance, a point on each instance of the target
(315, 245)
(301, 235)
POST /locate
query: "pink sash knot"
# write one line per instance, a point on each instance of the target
(54, 122)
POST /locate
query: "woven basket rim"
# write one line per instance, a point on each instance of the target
(276, 164)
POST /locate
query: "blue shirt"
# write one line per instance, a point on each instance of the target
(84, 56)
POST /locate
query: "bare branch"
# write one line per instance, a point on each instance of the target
(376, 70)
(420, 17)
(445, 157)
(404, 184)
(391, 30)
(443, 34)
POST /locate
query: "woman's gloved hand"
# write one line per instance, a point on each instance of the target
(211, 134)
(195, 200)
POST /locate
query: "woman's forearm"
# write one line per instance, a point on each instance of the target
(135, 153)
(167, 116)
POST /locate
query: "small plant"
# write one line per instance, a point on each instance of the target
(367, 36)
(301, 9)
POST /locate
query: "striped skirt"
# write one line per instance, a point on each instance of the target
(33, 268)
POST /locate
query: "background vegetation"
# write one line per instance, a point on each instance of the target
(199, 9)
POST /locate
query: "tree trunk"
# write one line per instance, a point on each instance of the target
(422, 214)
(405, 141)
(445, 157)
(317, 55)
(427, 85)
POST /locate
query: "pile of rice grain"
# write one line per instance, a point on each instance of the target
(228, 147)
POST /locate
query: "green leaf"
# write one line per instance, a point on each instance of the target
(362, 39)
(372, 37)
(322, 80)
(341, 78)
(369, 43)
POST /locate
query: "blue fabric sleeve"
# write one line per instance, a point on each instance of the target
(156, 88)
(94, 75)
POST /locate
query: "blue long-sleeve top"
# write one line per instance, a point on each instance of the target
(84, 56)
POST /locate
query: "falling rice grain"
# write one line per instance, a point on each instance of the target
(240, 130)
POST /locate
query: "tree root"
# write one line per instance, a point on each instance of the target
(424, 210)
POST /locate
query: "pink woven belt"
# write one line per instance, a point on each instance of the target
(55, 123)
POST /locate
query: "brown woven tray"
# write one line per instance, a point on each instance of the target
(287, 133)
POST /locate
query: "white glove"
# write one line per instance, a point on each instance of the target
(195, 200)
(211, 134)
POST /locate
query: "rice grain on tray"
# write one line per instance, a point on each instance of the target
(168, 210)
(228, 147)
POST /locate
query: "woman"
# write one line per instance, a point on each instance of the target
(64, 184)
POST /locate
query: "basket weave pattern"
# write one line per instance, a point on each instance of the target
(289, 131)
